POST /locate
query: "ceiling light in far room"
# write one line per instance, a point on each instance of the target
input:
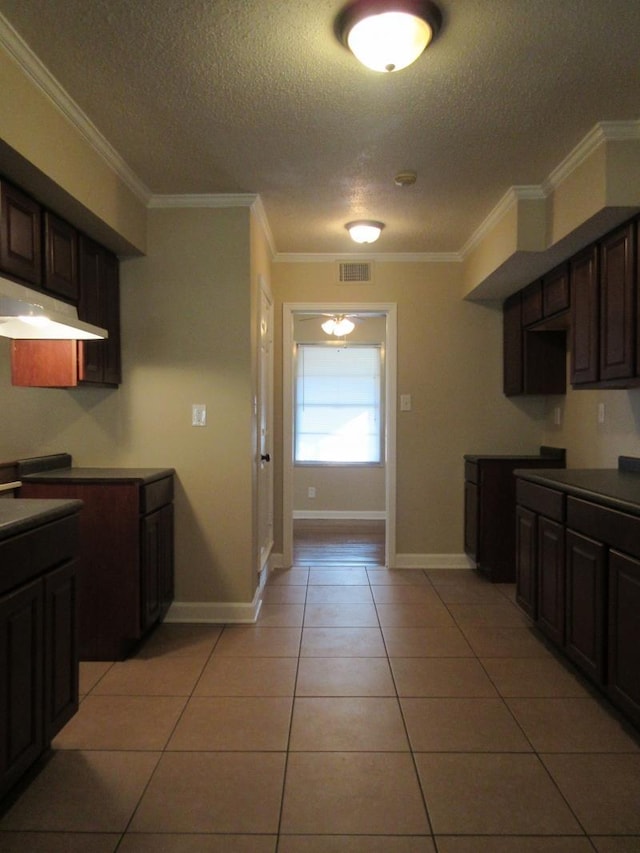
(364, 230)
(388, 35)
(338, 326)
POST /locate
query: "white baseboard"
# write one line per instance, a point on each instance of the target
(217, 612)
(409, 561)
(343, 515)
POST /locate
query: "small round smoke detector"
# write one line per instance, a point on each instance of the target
(405, 179)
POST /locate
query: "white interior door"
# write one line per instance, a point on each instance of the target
(265, 425)
(288, 349)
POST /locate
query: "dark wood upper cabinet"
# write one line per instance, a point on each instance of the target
(585, 338)
(532, 304)
(534, 361)
(555, 291)
(512, 350)
(20, 235)
(617, 304)
(61, 258)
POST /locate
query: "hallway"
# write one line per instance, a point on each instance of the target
(368, 711)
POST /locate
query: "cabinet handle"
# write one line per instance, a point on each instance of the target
(265, 457)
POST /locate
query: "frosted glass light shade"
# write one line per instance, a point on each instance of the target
(388, 35)
(389, 42)
(364, 230)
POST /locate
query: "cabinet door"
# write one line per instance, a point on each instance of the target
(555, 291)
(585, 340)
(526, 555)
(111, 320)
(617, 304)
(512, 351)
(532, 304)
(61, 257)
(471, 519)
(90, 309)
(61, 648)
(21, 682)
(624, 633)
(585, 596)
(20, 235)
(551, 579)
(157, 565)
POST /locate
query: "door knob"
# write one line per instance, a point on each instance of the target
(265, 457)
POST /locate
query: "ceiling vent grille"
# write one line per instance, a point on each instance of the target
(360, 272)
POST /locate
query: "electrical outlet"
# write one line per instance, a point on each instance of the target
(601, 413)
(198, 415)
(557, 415)
(405, 402)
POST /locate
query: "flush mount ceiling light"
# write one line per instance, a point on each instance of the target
(364, 230)
(387, 35)
(338, 326)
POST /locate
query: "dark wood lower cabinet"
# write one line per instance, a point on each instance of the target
(551, 579)
(624, 633)
(38, 648)
(578, 578)
(125, 582)
(526, 556)
(585, 604)
(21, 691)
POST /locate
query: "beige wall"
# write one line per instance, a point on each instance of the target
(186, 339)
(450, 361)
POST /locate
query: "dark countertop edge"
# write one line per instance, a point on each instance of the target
(545, 452)
(608, 488)
(99, 475)
(26, 514)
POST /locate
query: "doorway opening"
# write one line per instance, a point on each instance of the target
(339, 503)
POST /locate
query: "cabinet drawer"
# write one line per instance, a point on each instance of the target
(540, 499)
(156, 494)
(471, 471)
(616, 529)
(34, 552)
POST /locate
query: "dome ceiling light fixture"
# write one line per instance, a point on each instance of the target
(364, 230)
(388, 35)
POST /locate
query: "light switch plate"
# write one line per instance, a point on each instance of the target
(405, 402)
(198, 415)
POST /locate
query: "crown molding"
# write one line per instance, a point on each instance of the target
(212, 200)
(23, 56)
(605, 131)
(379, 257)
(508, 201)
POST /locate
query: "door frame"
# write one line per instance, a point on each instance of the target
(289, 309)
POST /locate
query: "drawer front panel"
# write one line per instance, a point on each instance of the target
(616, 529)
(156, 494)
(540, 499)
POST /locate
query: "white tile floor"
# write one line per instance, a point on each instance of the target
(367, 710)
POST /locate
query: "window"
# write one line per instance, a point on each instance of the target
(338, 404)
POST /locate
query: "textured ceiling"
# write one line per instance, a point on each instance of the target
(258, 96)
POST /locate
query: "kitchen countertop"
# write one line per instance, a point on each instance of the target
(96, 475)
(611, 487)
(18, 515)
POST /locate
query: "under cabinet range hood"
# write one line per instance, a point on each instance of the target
(30, 315)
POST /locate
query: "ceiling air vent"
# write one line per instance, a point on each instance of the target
(358, 272)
